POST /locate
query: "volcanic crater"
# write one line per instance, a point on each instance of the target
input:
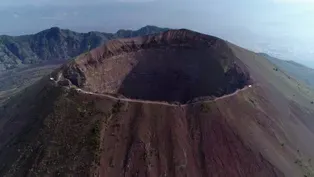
(84, 131)
(175, 66)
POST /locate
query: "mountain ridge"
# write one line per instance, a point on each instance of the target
(57, 44)
(23, 58)
(69, 126)
(296, 70)
(83, 120)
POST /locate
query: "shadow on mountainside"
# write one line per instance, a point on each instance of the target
(179, 75)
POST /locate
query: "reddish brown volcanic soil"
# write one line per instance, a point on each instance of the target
(109, 113)
(173, 66)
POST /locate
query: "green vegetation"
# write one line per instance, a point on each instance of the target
(252, 102)
(15, 80)
(52, 44)
(205, 107)
(111, 164)
(116, 107)
(297, 161)
(80, 129)
(95, 140)
(296, 70)
(307, 168)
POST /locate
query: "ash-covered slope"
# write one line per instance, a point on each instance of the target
(296, 70)
(173, 66)
(109, 113)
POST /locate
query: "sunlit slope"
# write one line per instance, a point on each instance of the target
(116, 111)
(287, 104)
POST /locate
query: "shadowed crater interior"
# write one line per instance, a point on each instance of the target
(175, 66)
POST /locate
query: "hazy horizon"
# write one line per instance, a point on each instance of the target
(282, 28)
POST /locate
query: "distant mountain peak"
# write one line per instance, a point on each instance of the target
(294, 69)
(51, 30)
(297, 64)
(55, 28)
(58, 44)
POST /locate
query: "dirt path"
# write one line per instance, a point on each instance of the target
(159, 102)
(232, 94)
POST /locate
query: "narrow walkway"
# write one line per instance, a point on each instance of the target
(159, 102)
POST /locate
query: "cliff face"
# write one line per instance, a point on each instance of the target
(178, 103)
(173, 66)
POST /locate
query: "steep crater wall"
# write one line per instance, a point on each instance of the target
(175, 66)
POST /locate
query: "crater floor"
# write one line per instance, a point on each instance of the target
(160, 68)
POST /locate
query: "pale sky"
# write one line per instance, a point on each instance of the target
(283, 28)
